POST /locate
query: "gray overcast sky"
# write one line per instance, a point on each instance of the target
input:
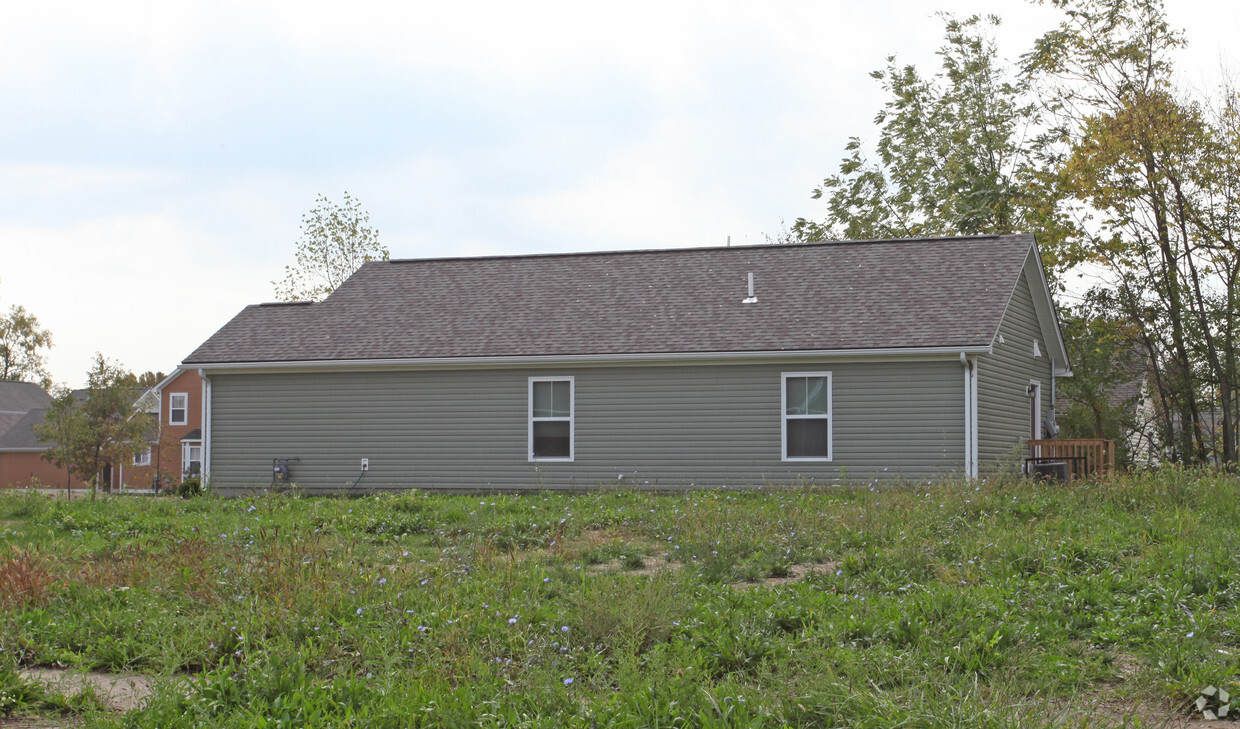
(156, 158)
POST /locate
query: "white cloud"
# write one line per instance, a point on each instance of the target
(51, 180)
(142, 290)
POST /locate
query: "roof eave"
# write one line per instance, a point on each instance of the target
(893, 353)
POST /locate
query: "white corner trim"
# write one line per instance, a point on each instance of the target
(970, 416)
(206, 427)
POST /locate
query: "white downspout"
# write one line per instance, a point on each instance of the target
(973, 419)
(206, 427)
(970, 416)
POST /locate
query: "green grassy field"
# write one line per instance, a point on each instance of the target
(998, 604)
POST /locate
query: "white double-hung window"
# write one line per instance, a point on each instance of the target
(551, 419)
(178, 408)
(807, 416)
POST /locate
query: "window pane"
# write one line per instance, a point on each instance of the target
(551, 439)
(815, 396)
(561, 400)
(796, 395)
(807, 438)
(542, 399)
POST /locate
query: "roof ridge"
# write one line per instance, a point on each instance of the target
(691, 249)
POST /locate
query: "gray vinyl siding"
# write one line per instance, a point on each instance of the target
(656, 426)
(1002, 402)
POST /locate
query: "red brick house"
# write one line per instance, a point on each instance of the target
(175, 404)
(22, 406)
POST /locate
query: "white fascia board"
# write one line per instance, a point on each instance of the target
(1045, 307)
(167, 380)
(673, 358)
(159, 387)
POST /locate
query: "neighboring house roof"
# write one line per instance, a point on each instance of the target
(1126, 391)
(21, 437)
(21, 397)
(863, 295)
(17, 399)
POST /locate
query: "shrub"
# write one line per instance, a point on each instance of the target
(190, 488)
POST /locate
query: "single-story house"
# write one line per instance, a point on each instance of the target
(22, 407)
(706, 367)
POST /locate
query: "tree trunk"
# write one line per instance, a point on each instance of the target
(1191, 440)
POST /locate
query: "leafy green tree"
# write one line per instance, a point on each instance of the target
(951, 157)
(335, 241)
(1149, 176)
(62, 426)
(22, 345)
(98, 427)
(1107, 346)
(150, 379)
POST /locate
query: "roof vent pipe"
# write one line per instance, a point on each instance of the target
(752, 299)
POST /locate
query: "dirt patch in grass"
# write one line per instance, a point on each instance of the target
(650, 566)
(1114, 712)
(120, 692)
(21, 722)
(1106, 706)
(1125, 665)
(796, 573)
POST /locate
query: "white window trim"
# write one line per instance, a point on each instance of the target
(172, 409)
(784, 416)
(572, 419)
(186, 450)
(143, 458)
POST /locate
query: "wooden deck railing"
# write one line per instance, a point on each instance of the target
(1085, 456)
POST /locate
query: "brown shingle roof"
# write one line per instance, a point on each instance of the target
(947, 292)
